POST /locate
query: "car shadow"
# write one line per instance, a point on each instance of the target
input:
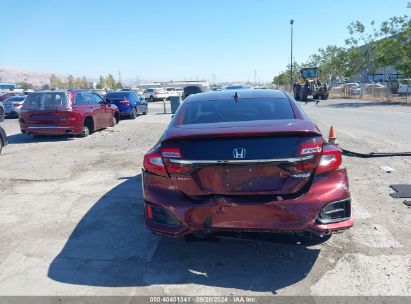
(21, 138)
(111, 247)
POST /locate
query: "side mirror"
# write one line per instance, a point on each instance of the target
(107, 101)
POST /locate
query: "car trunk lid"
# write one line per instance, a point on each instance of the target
(260, 162)
(45, 108)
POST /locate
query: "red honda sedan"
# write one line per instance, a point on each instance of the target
(66, 112)
(246, 161)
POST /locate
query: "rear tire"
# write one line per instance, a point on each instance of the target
(1, 145)
(145, 112)
(133, 114)
(151, 98)
(325, 96)
(88, 127)
(296, 90)
(2, 114)
(114, 122)
(117, 117)
(303, 93)
(85, 132)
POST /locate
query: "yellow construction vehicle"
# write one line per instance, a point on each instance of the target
(308, 84)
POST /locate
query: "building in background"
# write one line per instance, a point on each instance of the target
(7, 86)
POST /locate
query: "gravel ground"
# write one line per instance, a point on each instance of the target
(71, 219)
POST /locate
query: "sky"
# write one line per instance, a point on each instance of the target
(234, 40)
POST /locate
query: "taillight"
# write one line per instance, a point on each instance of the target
(311, 146)
(331, 159)
(171, 152)
(149, 212)
(174, 167)
(154, 163)
(72, 116)
(125, 102)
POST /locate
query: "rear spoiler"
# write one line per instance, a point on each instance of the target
(296, 127)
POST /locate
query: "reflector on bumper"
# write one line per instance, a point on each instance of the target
(335, 212)
(162, 216)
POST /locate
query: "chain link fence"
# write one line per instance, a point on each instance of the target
(398, 90)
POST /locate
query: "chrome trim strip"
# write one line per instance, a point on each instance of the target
(239, 161)
(48, 127)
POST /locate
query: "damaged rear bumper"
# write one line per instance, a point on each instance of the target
(324, 209)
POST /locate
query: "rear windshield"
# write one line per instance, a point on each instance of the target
(42, 100)
(236, 88)
(230, 110)
(16, 98)
(118, 95)
(195, 89)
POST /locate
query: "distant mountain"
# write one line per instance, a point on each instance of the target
(16, 75)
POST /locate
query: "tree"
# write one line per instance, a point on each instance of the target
(332, 61)
(71, 82)
(56, 82)
(25, 85)
(110, 82)
(84, 83)
(395, 47)
(45, 87)
(102, 83)
(283, 78)
(362, 44)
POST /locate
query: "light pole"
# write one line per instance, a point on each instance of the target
(291, 69)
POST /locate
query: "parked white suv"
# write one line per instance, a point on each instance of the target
(155, 94)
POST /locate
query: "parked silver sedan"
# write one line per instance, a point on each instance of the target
(13, 105)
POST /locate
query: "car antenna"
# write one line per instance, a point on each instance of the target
(236, 97)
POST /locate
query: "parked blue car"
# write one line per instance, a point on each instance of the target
(128, 103)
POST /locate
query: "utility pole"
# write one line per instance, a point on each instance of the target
(291, 66)
(119, 76)
(255, 77)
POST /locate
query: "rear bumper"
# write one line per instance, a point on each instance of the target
(50, 129)
(125, 113)
(12, 113)
(225, 214)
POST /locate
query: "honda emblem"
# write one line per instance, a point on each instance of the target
(239, 152)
